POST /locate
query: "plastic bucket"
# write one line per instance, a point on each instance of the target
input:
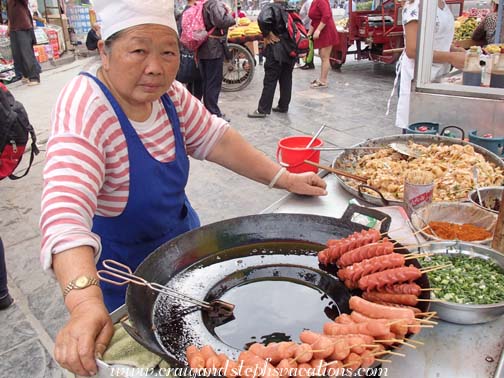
(496, 145)
(292, 152)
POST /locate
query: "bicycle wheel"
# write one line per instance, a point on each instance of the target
(238, 71)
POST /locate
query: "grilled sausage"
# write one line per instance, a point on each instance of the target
(355, 271)
(366, 252)
(211, 359)
(336, 248)
(229, 367)
(389, 277)
(404, 299)
(406, 288)
(286, 367)
(398, 328)
(303, 353)
(372, 328)
(378, 311)
(195, 358)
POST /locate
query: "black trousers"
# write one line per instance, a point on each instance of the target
(211, 73)
(3, 273)
(23, 55)
(274, 72)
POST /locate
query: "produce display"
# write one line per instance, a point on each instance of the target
(494, 49)
(464, 27)
(244, 29)
(365, 5)
(343, 23)
(453, 231)
(472, 280)
(451, 165)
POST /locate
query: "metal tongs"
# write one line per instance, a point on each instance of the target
(215, 308)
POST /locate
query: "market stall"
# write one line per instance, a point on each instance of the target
(449, 102)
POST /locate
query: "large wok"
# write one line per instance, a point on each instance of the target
(348, 159)
(157, 327)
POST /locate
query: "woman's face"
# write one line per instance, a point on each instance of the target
(142, 63)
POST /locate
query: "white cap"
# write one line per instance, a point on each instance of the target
(117, 15)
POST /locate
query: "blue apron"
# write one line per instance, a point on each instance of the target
(157, 209)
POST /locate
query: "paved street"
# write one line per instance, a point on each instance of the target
(353, 107)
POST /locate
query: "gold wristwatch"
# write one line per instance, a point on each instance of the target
(80, 283)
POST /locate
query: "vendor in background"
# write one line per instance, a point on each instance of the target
(117, 166)
(239, 12)
(93, 37)
(303, 13)
(444, 53)
(486, 30)
(39, 21)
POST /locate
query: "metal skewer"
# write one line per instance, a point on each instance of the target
(123, 272)
(316, 136)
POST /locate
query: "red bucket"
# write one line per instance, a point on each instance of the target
(292, 152)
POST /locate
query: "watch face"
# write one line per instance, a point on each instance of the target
(81, 281)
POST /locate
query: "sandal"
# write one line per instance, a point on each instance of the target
(318, 84)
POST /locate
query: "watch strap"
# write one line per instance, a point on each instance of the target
(72, 285)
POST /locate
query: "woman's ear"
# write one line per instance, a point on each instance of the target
(104, 56)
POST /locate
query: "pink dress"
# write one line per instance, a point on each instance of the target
(320, 11)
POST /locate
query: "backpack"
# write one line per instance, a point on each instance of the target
(194, 32)
(15, 131)
(298, 37)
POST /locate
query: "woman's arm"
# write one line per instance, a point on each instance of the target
(236, 154)
(89, 330)
(456, 59)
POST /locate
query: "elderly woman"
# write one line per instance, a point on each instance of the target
(117, 167)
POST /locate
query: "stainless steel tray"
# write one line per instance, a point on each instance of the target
(347, 160)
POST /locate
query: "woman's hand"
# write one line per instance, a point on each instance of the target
(308, 183)
(316, 34)
(85, 336)
(271, 39)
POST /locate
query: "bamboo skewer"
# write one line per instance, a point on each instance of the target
(414, 341)
(396, 341)
(434, 268)
(382, 360)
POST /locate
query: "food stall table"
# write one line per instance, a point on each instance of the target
(450, 350)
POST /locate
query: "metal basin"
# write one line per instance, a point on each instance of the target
(462, 313)
(488, 195)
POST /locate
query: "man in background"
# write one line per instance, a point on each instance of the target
(218, 19)
(279, 64)
(93, 36)
(22, 39)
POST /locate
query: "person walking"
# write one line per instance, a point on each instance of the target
(189, 72)
(325, 36)
(218, 19)
(22, 39)
(278, 65)
(303, 13)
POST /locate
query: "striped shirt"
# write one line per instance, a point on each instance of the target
(87, 166)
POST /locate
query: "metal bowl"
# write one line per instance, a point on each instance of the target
(453, 212)
(488, 196)
(464, 313)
